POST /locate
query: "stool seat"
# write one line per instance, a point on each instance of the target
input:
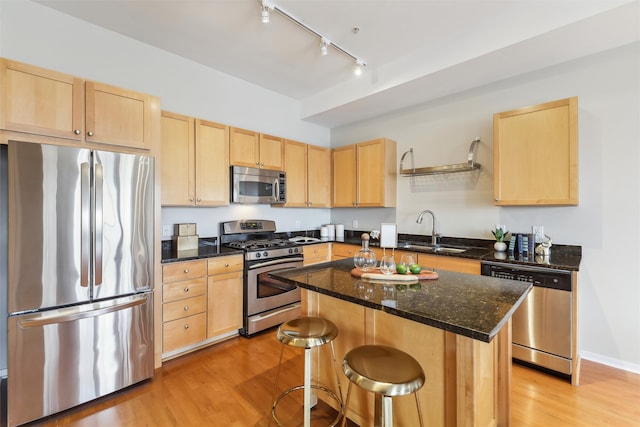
(383, 370)
(307, 332)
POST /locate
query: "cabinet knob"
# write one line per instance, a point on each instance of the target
(198, 200)
(77, 131)
(186, 270)
(186, 326)
(257, 163)
(226, 264)
(186, 308)
(186, 289)
(261, 163)
(90, 133)
(191, 199)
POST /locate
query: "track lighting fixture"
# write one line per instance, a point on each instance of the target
(267, 6)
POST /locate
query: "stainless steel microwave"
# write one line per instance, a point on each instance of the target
(252, 185)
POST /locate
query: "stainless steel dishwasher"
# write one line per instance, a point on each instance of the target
(543, 324)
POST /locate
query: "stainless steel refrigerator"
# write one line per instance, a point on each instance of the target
(80, 279)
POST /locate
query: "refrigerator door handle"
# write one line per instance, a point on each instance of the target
(98, 223)
(85, 223)
(75, 314)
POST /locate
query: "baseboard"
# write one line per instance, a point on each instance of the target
(634, 368)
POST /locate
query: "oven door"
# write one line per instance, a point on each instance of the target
(269, 301)
(251, 185)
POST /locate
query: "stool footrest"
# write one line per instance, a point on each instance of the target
(330, 393)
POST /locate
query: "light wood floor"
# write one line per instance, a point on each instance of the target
(231, 384)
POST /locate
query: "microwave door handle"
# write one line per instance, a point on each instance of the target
(276, 190)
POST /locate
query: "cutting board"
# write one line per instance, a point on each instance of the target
(375, 274)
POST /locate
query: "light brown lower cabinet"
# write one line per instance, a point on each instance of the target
(315, 254)
(201, 301)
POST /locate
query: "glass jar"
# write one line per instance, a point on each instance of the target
(365, 258)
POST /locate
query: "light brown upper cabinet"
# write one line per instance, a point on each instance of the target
(255, 150)
(535, 155)
(195, 165)
(308, 169)
(364, 174)
(47, 103)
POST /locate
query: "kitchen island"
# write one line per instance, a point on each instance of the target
(457, 327)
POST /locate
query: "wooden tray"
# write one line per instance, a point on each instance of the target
(375, 274)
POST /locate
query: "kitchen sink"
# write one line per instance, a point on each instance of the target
(445, 249)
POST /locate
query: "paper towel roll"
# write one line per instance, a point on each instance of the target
(331, 228)
(324, 231)
(339, 230)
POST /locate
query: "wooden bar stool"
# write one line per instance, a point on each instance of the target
(308, 332)
(385, 371)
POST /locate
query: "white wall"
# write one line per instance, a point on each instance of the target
(607, 221)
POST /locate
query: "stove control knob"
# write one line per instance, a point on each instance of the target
(258, 255)
(290, 250)
(296, 250)
(265, 253)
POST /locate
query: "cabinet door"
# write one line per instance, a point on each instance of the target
(178, 157)
(314, 254)
(39, 101)
(376, 169)
(244, 148)
(536, 155)
(344, 176)
(271, 148)
(295, 165)
(318, 177)
(212, 164)
(224, 312)
(117, 116)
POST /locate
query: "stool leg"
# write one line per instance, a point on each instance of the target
(346, 406)
(419, 411)
(335, 367)
(275, 387)
(387, 412)
(307, 387)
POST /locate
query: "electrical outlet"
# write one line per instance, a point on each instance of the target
(355, 224)
(166, 231)
(538, 232)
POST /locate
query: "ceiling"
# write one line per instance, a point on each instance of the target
(415, 51)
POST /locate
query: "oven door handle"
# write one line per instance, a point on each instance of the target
(276, 262)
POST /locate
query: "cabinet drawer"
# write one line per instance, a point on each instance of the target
(344, 250)
(225, 264)
(314, 254)
(185, 289)
(184, 308)
(176, 271)
(182, 332)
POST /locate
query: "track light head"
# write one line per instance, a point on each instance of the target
(324, 44)
(265, 11)
(360, 64)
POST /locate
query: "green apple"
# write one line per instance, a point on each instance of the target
(415, 268)
(401, 269)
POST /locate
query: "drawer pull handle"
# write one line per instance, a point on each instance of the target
(186, 289)
(77, 131)
(90, 133)
(186, 326)
(186, 308)
(186, 270)
(226, 265)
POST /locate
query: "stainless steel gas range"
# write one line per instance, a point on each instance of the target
(267, 302)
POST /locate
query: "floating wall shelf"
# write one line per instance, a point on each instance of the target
(471, 164)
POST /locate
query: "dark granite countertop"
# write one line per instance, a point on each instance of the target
(207, 248)
(564, 257)
(469, 305)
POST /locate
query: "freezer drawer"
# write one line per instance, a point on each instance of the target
(62, 358)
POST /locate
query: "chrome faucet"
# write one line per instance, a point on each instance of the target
(434, 237)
